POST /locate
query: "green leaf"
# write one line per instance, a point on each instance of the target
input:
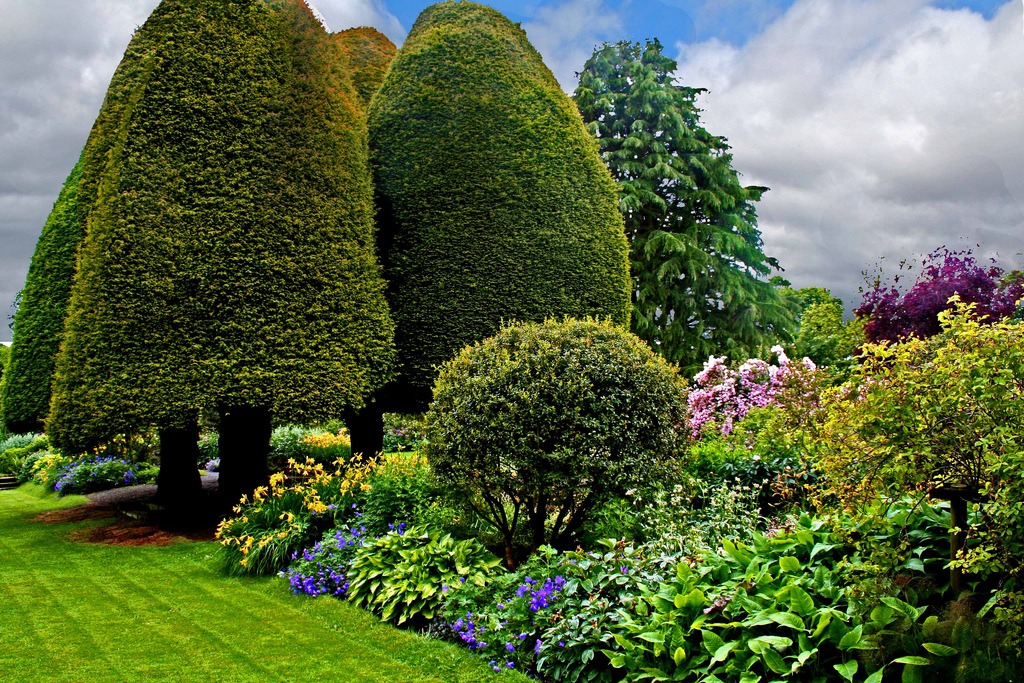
(722, 653)
(847, 669)
(912, 659)
(780, 643)
(912, 674)
(875, 677)
(904, 608)
(712, 641)
(800, 601)
(787, 619)
(939, 650)
(679, 656)
(773, 660)
(852, 638)
(789, 564)
(691, 600)
(652, 637)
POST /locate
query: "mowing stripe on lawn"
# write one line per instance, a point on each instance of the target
(73, 611)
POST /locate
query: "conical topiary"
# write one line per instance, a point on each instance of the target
(229, 258)
(369, 53)
(494, 204)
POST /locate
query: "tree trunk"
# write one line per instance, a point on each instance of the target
(178, 486)
(244, 445)
(366, 429)
(957, 541)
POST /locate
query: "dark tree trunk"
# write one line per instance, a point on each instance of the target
(957, 541)
(178, 486)
(244, 445)
(366, 429)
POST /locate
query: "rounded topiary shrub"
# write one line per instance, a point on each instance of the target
(542, 423)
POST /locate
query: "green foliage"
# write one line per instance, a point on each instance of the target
(543, 422)
(940, 416)
(39, 322)
(774, 607)
(99, 473)
(369, 53)
(494, 203)
(401, 489)
(229, 257)
(404, 432)
(43, 468)
(404, 575)
(697, 264)
(825, 338)
(16, 448)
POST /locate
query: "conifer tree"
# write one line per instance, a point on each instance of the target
(228, 263)
(494, 204)
(698, 268)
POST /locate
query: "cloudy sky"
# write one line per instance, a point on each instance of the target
(884, 128)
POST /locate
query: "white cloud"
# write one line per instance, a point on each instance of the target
(566, 35)
(344, 14)
(882, 128)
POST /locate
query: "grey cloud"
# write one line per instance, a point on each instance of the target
(56, 60)
(882, 129)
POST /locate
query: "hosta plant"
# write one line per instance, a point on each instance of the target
(404, 575)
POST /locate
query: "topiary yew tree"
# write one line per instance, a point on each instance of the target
(494, 204)
(543, 422)
(369, 53)
(229, 257)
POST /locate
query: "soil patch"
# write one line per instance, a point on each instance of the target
(127, 532)
(79, 513)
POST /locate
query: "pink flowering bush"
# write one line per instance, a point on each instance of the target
(724, 396)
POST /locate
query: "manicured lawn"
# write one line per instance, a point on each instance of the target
(78, 611)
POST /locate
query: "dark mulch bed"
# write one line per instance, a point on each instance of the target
(134, 517)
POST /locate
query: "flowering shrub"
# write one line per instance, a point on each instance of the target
(293, 442)
(724, 396)
(265, 532)
(550, 616)
(321, 570)
(942, 417)
(101, 472)
(403, 575)
(892, 315)
(43, 468)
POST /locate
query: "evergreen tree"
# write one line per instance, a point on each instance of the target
(697, 262)
(228, 262)
(369, 53)
(494, 203)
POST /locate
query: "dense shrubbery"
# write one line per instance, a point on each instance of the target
(101, 472)
(16, 448)
(293, 442)
(542, 423)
